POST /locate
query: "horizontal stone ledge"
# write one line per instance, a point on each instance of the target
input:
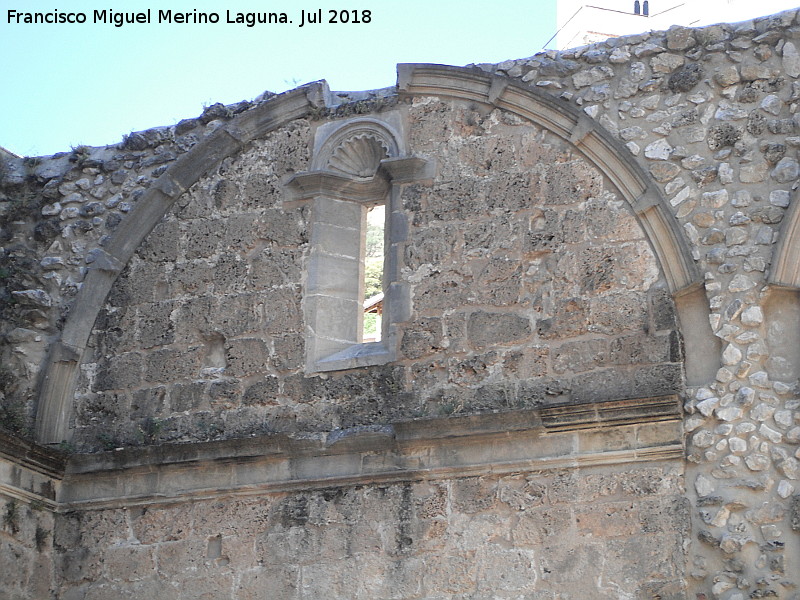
(567, 416)
(168, 495)
(33, 457)
(30, 473)
(28, 497)
(308, 185)
(427, 449)
(634, 410)
(407, 169)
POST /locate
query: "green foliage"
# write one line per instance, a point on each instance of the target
(20, 267)
(24, 203)
(6, 378)
(370, 324)
(12, 414)
(10, 519)
(80, 154)
(373, 277)
(374, 241)
(149, 429)
(354, 107)
(66, 447)
(31, 162)
(107, 441)
(448, 408)
(40, 537)
(373, 265)
(318, 112)
(208, 430)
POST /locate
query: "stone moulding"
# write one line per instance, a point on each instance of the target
(356, 164)
(359, 156)
(626, 431)
(360, 140)
(617, 165)
(59, 374)
(785, 268)
(29, 472)
(54, 409)
(305, 186)
(32, 456)
(562, 119)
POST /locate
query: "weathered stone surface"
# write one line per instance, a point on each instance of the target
(685, 78)
(752, 316)
(527, 281)
(664, 171)
(592, 76)
(727, 75)
(786, 170)
(486, 329)
(721, 136)
(658, 150)
(791, 60)
(752, 72)
(35, 297)
(740, 283)
(757, 462)
(432, 524)
(666, 63)
(680, 38)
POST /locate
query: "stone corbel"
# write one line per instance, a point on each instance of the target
(306, 186)
(406, 169)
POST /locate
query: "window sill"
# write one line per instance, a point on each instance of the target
(357, 355)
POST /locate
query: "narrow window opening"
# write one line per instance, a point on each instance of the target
(636, 9)
(358, 235)
(373, 273)
(646, 8)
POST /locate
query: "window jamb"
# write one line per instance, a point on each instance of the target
(339, 200)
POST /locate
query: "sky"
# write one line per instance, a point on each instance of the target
(69, 84)
(64, 85)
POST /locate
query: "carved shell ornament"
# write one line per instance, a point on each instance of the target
(355, 148)
(359, 155)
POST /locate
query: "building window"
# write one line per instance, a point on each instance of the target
(373, 273)
(636, 8)
(357, 169)
(646, 8)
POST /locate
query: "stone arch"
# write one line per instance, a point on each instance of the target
(60, 372)
(614, 161)
(577, 128)
(782, 304)
(785, 268)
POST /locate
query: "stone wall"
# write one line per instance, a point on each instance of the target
(712, 112)
(26, 545)
(28, 491)
(531, 283)
(499, 537)
(153, 292)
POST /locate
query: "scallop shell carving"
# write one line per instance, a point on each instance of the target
(359, 155)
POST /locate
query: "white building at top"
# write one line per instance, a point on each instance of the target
(581, 22)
